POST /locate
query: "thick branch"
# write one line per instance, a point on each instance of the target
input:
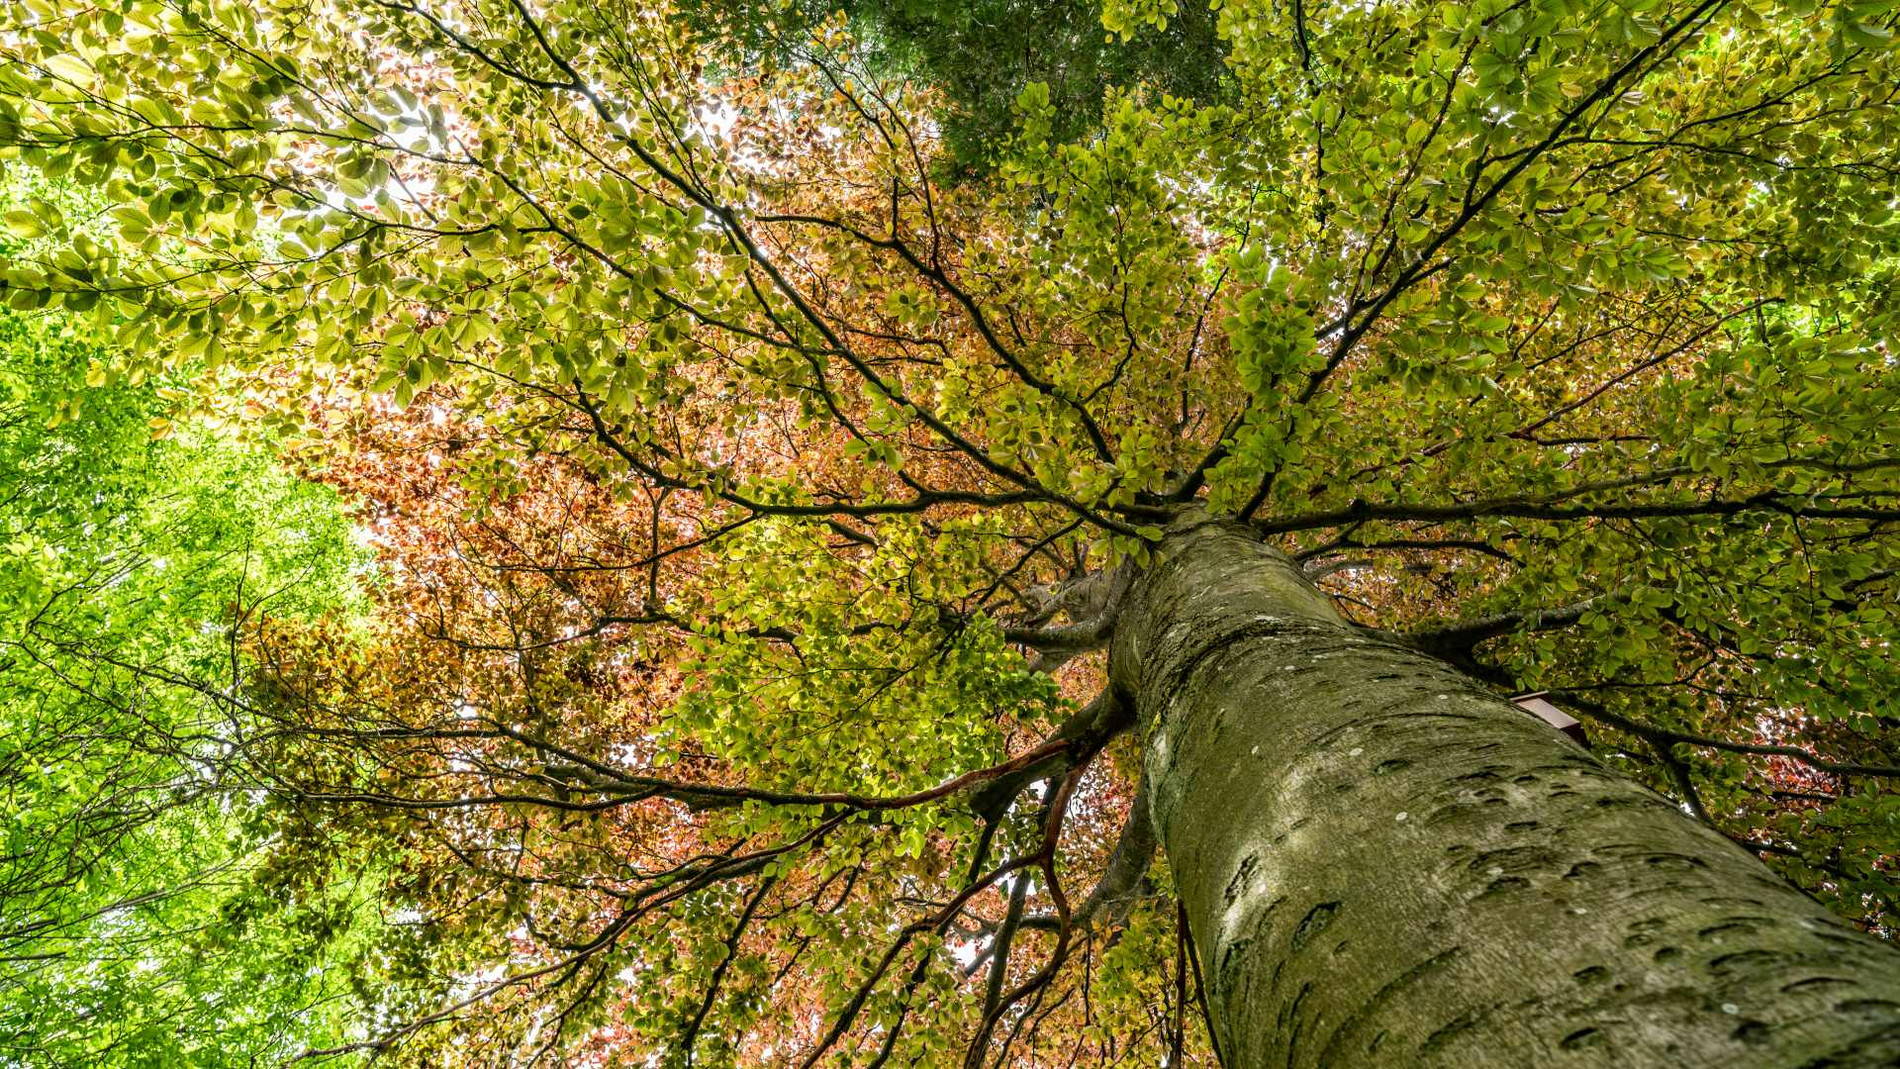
(1123, 881)
(1078, 738)
(1665, 736)
(1460, 637)
(1793, 505)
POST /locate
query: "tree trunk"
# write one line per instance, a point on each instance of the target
(1383, 863)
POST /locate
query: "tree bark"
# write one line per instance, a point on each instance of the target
(1383, 863)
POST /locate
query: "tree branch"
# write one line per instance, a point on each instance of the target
(1460, 637)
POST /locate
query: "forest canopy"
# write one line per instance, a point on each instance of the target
(593, 533)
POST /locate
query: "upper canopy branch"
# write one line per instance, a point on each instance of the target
(731, 223)
(1553, 508)
(1361, 315)
(701, 795)
(985, 329)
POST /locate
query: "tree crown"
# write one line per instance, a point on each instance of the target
(726, 462)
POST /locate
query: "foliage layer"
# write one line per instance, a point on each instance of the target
(726, 464)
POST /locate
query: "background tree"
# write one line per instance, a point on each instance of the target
(981, 56)
(138, 923)
(1552, 338)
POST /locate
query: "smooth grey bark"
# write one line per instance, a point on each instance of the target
(1385, 864)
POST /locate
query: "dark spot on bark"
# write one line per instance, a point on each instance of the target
(1313, 923)
(1866, 1007)
(1668, 954)
(1715, 931)
(1344, 788)
(1483, 775)
(1393, 765)
(1504, 885)
(1292, 1016)
(1235, 949)
(1581, 869)
(1582, 1038)
(1753, 1033)
(1525, 780)
(1813, 981)
(1675, 862)
(1637, 940)
(1521, 826)
(1446, 814)
(1340, 949)
(1241, 878)
(1647, 924)
(1377, 1040)
(1594, 974)
(1513, 859)
(1438, 1040)
(1742, 961)
(1456, 848)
